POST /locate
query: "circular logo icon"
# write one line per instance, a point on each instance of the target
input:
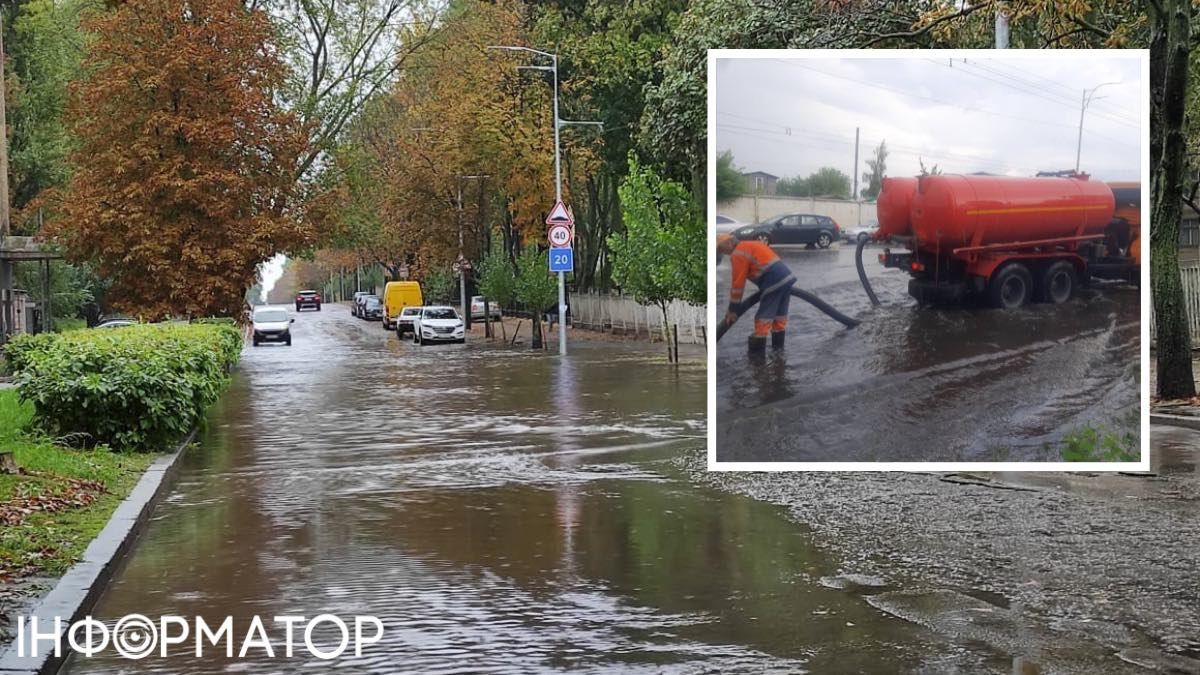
(134, 636)
(560, 236)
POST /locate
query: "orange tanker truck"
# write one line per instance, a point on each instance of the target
(1006, 240)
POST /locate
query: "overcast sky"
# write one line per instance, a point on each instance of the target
(791, 117)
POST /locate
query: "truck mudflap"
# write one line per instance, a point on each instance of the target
(930, 292)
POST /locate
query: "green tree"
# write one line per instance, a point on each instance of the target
(496, 280)
(874, 177)
(660, 256)
(47, 52)
(438, 285)
(535, 287)
(825, 182)
(730, 183)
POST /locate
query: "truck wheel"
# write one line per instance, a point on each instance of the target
(1011, 287)
(824, 239)
(1058, 282)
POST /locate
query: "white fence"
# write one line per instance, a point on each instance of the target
(757, 208)
(1190, 276)
(622, 315)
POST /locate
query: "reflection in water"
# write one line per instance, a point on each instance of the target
(995, 385)
(501, 511)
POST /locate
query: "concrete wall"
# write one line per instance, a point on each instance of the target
(757, 208)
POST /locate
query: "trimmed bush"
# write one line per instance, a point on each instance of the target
(137, 388)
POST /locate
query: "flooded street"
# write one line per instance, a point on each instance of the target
(996, 386)
(500, 511)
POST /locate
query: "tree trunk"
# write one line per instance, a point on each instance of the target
(536, 339)
(8, 463)
(1172, 30)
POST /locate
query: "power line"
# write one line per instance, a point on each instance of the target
(828, 144)
(791, 131)
(971, 68)
(1062, 85)
(762, 134)
(944, 102)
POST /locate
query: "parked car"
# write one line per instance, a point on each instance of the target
(793, 228)
(372, 309)
(355, 304)
(308, 299)
(272, 324)
(396, 296)
(404, 322)
(477, 308)
(851, 235)
(361, 302)
(118, 322)
(727, 224)
(438, 324)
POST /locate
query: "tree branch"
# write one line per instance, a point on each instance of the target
(962, 13)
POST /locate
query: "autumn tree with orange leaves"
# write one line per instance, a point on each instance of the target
(459, 109)
(184, 178)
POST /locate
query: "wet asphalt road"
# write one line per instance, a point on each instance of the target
(1070, 572)
(996, 386)
(501, 511)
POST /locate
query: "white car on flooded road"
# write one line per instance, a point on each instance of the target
(438, 324)
(272, 324)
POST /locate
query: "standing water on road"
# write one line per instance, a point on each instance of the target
(500, 511)
(994, 385)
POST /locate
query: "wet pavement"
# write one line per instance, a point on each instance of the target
(1071, 573)
(995, 385)
(501, 511)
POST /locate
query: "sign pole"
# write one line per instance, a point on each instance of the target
(562, 279)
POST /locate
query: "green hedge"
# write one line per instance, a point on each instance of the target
(137, 388)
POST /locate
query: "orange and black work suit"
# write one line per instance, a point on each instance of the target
(756, 261)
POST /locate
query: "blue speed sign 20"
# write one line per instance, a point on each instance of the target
(562, 259)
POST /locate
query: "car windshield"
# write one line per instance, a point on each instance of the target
(445, 313)
(307, 294)
(410, 311)
(724, 219)
(270, 316)
(372, 303)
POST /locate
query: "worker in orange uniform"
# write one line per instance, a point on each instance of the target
(756, 261)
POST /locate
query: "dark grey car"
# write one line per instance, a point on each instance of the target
(793, 228)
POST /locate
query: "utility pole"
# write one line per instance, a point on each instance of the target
(1001, 26)
(462, 258)
(855, 194)
(1084, 103)
(6, 266)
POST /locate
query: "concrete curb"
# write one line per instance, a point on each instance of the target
(1175, 420)
(76, 593)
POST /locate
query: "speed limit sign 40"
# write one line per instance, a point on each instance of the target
(559, 235)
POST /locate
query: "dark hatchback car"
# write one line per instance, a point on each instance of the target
(793, 228)
(372, 309)
(308, 299)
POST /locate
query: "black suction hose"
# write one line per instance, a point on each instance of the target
(820, 304)
(862, 274)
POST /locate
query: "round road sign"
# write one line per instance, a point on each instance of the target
(560, 236)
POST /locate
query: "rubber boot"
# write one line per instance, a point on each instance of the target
(758, 344)
(777, 339)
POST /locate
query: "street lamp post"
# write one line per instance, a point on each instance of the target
(558, 124)
(1087, 99)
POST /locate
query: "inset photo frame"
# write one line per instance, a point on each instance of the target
(928, 261)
